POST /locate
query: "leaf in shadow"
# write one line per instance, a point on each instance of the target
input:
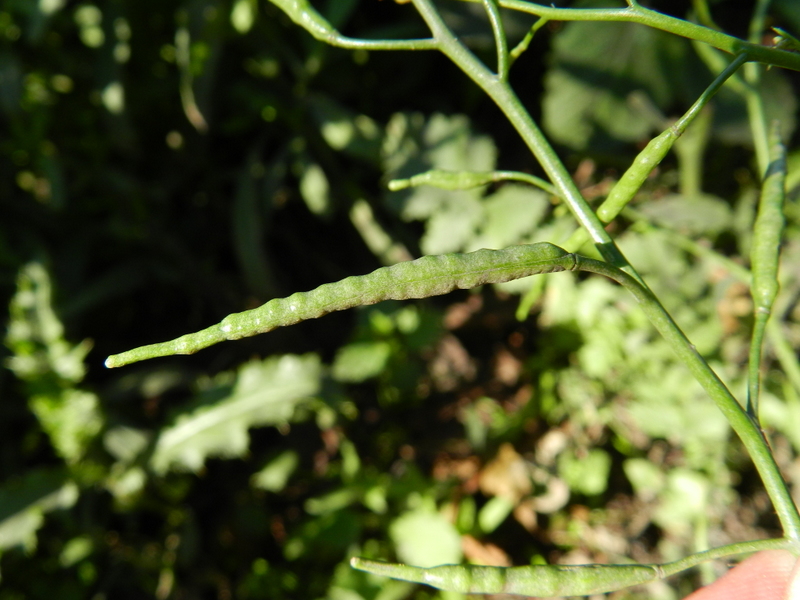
(264, 393)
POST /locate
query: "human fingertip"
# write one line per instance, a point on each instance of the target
(793, 589)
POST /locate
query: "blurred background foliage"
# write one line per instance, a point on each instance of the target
(165, 163)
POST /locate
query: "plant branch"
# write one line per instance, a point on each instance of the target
(499, 38)
(505, 98)
(777, 338)
(745, 427)
(728, 550)
(616, 266)
(643, 16)
(304, 15)
(648, 159)
(464, 180)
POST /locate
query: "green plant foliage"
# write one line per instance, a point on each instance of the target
(424, 537)
(595, 72)
(262, 393)
(413, 145)
(35, 334)
(457, 219)
(361, 360)
(167, 164)
(51, 367)
(699, 215)
(276, 473)
(27, 499)
(586, 474)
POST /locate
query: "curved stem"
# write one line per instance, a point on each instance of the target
(509, 103)
(499, 38)
(643, 16)
(302, 13)
(525, 178)
(649, 158)
(618, 269)
(523, 45)
(693, 560)
(464, 180)
(777, 338)
(744, 426)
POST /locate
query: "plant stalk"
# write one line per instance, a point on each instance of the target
(743, 424)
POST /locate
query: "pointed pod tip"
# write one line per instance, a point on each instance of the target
(398, 184)
(358, 563)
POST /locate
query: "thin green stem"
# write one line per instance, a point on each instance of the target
(523, 45)
(710, 91)
(525, 178)
(744, 426)
(748, 88)
(754, 363)
(509, 103)
(648, 159)
(716, 62)
(777, 338)
(693, 560)
(643, 16)
(505, 98)
(464, 180)
(302, 13)
(501, 43)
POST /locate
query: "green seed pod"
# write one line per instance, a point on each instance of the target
(764, 256)
(446, 180)
(543, 581)
(769, 226)
(426, 276)
(632, 180)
